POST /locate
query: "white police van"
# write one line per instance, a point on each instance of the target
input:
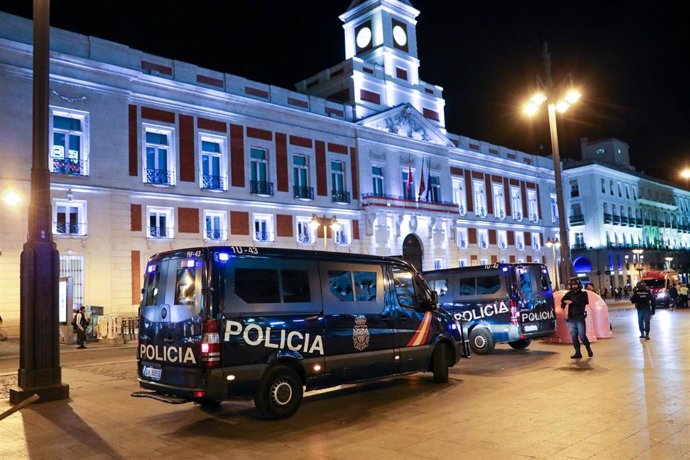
(224, 322)
(499, 303)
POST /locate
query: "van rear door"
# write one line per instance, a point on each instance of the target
(170, 323)
(535, 299)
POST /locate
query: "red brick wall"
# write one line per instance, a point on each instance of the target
(284, 225)
(135, 217)
(133, 130)
(321, 169)
(135, 264)
(187, 163)
(282, 162)
(237, 155)
(239, 223)
(188, 220)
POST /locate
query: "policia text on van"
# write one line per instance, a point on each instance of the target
(499, 303)
(225, 322)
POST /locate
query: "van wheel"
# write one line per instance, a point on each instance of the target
(519, 344)
(481, 341)
(279, 394)
(440, 363)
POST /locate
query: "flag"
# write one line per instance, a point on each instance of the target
(409, 179)
(428, 181)
(421, 184)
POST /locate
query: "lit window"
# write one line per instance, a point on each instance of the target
(69, 142)
(213, 160)
(461, 234)
(499, 201)
(158, 156)
(338, 192)
(160, 223)
(516, 203)
(520, 241)
(377, 180)
(483, 238)
(459, 197)
(258, 171)
(479, 198)
(300, 178)
(342, 234)
(263, 228)
(306, 233)
(215, 225)
(69, 218)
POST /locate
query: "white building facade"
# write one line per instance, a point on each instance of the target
(623, 223)
(149, 154)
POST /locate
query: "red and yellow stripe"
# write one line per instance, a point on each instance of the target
(419, 337)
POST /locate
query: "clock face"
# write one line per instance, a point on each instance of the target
(363, 37)
(399, 36)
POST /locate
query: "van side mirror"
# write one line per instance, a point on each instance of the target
(434, 298)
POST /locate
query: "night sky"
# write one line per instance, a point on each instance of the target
(632, 59)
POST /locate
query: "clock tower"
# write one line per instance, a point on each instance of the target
(381, 67)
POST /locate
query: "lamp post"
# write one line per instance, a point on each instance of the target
(553, 245)
(558, 100)
(325, 223)
(638, 264)
(39, 346)
(668, 262)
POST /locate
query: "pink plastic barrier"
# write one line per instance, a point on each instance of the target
(597, 321)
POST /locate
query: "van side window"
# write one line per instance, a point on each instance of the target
(365, 286)
(185, 287)
(440, 286)
(488, 284)
(544, 282)
(341, 285)
(255, 285)
(404, 288)
(295, 286)
(152, 288)
(466, 286)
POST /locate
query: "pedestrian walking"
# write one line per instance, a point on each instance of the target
(673, 297)
(576, 300)
(644, 302)
(683, 296)
(80, 323)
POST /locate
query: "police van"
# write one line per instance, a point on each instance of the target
(498, 303)
(240, 322)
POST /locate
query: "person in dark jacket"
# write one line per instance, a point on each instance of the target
(644, 302)
(576, 300)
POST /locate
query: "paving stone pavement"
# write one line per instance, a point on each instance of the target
(628, 402)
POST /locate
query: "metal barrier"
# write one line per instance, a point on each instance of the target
(129, 329)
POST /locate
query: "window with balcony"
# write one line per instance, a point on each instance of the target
(479, 194)
(263, 228)
(69, 142)
(461, 237)
(377, 180)
(258, 173)
(158, 156)
(574, 188)
(620, 192)
(462, 262)
(516, 202)
(306, 232)
(520, 241)
(532, 206)
(438, 264)
(215, 225)
(603, 185)
(502, 239)
(459, 196)
(300, 178)
(483, 238)
(342, 234)
(338, 192)
(499, 201)
(160, 223)
(69, 218)
(213, 160)
(611, 187)
(536, 241)
(554, 208)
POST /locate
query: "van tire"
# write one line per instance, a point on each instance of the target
(481, 341)
(519, 344)
(440, 363)
(279, 394)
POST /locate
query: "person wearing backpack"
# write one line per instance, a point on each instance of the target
(80, 323)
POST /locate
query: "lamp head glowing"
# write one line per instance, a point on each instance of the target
(572, 96)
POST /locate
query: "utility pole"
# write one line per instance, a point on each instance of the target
(39, 353)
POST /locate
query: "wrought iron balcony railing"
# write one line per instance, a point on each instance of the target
(212, 182)
(577, 219)
(263, 236)
(215, 234)
(159, 176)
(303, 193)
(340, 196)
(305, 238)
(160, 232)
(341, 239)
(260, 187)
(66, 228)
(401, 202)
(69, 167)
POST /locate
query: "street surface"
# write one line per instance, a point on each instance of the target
(629, 401)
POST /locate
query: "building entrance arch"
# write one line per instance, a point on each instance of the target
(412, 251)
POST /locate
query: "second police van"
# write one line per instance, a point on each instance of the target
(499, 303)
(224, 322)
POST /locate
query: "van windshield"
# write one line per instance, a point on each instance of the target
(655, 283)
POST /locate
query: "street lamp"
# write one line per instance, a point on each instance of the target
(668, 262)
(325, 223)
(554, 245)
(11, 198)
(638, 264)
(557, 100)
(685, 174)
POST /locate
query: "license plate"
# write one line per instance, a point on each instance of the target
(152, 372)
(531, 328)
